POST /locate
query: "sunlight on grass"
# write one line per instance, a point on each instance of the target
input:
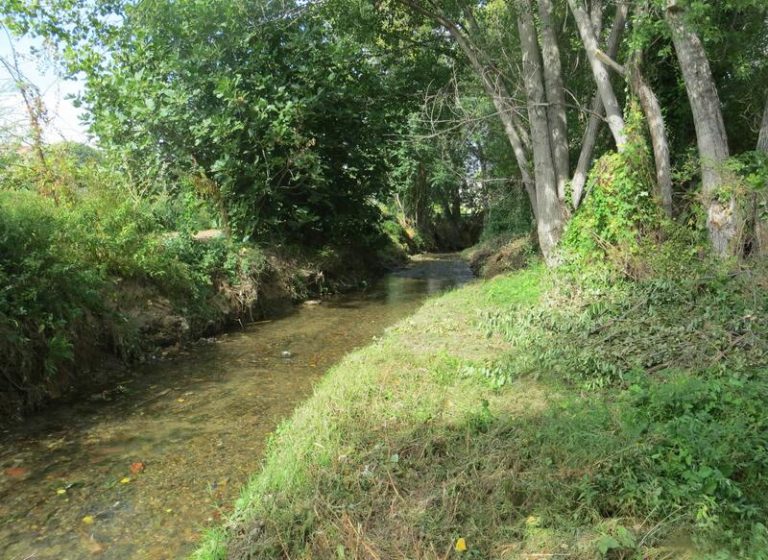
(522, 424)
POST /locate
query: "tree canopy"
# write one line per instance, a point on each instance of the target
(304, 119)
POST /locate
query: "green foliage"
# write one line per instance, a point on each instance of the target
(46, 295)
(620, 214)
(508, 212)
(275, 106)
(676, 361)
(82, 251)
(63, 266)
(751, 169)
(702, 441)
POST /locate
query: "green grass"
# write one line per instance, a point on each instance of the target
(532, 418)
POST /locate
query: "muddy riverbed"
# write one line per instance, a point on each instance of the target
(140, 470)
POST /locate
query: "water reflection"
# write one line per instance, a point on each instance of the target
(141, 474)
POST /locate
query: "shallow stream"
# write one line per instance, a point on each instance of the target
(139, 471)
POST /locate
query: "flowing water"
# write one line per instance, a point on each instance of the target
(139, 471)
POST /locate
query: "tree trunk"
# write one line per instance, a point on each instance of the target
(760, 205)
(36, 113)
(762, 139)
(500, 96)
(596, 111)
(655, 120)
(420, 199)
(723, 220)
(602, 79)
(555, 91)
(456, 207)
(550, 220)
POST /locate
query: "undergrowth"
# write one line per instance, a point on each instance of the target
(63, 266)
(680, 363)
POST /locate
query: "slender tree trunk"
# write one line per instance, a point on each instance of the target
(762, 138)
(723, 221)
(760, 204)
(36, 113)
(493, 86)
(550, 220)
(596, 111)
(553, 80)
(500, 97)
(517, 147)
(602, 79)
(456, 207)
(655, 120)
(653, 116)
(420, 199)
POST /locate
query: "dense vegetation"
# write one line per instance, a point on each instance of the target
(604, 403)
(100, 271)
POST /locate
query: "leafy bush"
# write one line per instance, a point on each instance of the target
(620, 223)
(66, 253)
(47, 297)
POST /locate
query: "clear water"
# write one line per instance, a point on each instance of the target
(198, 425)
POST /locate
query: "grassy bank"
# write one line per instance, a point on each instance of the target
(532, 417)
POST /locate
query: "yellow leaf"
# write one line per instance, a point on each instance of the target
(461, 545)
(125, 480)
(88, 520)
(179, 400)
(533, 521)
(61, 491)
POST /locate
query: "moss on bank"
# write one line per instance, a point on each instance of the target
(531, 418)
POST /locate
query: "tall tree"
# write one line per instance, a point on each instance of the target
(723, 220)
(550, 220)
(657, 128)
(613, 112)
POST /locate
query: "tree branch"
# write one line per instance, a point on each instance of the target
(612, 64)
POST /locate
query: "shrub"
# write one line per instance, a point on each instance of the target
(620, 223)
(47, 297)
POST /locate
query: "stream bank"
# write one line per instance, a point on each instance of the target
(130, 318)
(140, 470)
(531, 415)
